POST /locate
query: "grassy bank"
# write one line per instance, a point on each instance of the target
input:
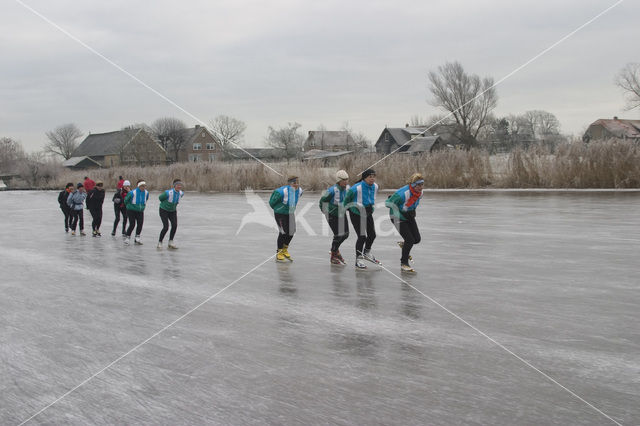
(608, 164)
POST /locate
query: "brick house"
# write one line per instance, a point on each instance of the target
(199, 145)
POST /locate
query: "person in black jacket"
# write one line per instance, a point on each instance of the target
(95, 198)
(66, 210)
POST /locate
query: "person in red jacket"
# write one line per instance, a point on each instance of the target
(88, 184)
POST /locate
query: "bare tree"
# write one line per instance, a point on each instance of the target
(541, 124)
(468, 98)
(11, 153)
(63, 140)
(286, 139)
(171, 134)
(628, 79)
(362, 143)
(228, 131)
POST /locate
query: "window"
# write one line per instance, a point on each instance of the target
(211, 146)
(194, 158)
(203, 135)
(212, 157)
(197, 146)
(386, 137)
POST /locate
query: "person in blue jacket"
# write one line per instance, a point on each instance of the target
(169, 200)
(136, 201)
(283, 201)
(75, 202)
(402, 210)
(360, 201)
(331, 204)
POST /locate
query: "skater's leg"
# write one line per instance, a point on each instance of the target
(359, 228)
(371, 233)
(164, 217)
(140, 220)
(173, 218)
(131, 215)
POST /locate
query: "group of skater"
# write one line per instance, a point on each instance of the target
(128, 204)
(339, 203)
(357, 202)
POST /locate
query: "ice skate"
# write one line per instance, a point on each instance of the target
(137, 240)
(172, 245)
(280, 256)
(127, 240)
(335, 258)
(407, 269)
(159, 246)
(370, 257)
(360, 263)
(285, 252)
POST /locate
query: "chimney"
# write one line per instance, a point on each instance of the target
(406, 125)
(197, 126)
(615, 117)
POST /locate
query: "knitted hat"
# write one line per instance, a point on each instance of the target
(341, 175)
(126, 183)
(292, 178)
(79, 185)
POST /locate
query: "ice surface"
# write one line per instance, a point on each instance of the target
(553, 276)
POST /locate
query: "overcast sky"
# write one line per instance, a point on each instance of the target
(313, 62)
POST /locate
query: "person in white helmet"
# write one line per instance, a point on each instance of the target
(331, 204)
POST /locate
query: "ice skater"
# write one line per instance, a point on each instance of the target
(169, 200)
(75, 202)
(135, 202)
(283, 201)
(95, 199)
(119, 208)
(66, 210)
(402, 210)
(360, 201)
(331, 204)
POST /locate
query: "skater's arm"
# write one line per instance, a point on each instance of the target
(275, 199)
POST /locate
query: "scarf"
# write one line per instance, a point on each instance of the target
(415, 195)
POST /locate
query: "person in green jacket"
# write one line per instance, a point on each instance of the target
(331, 204)
(402, 207)
(283, 201)
(136, 201)
(360, 201)
(169, 200)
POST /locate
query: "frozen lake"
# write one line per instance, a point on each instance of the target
(525, 310)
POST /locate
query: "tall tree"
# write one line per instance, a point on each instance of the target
(11, 153)
(361, 141)
(171, 135)
(541, 124)
(63, 140)
(286, 139)
(628, 79)
(468, 98)
(228, 131)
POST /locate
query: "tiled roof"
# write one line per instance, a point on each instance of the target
(99, 144)
(620, 128)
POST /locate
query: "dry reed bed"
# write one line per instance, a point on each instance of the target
(609, 164)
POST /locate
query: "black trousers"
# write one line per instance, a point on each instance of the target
(77, 216)
(365, 230)
(166, 217)
(136, 220)
(120, 211)
(340, 227)
(408, 229)
(286, 228)
(67, 218)
(96, 214)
